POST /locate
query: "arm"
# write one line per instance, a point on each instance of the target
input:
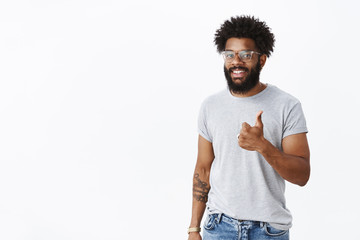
(201, 185)
(293, 163)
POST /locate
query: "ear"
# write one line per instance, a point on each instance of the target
(262, 60)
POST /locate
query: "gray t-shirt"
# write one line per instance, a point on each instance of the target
(243, 184)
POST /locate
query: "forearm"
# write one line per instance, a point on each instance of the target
(198, 209)
(295, 169)
(201, 188)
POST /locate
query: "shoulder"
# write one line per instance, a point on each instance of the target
(281, 96)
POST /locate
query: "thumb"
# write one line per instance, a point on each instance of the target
(259, 122)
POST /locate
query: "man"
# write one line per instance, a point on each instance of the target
(252, 137)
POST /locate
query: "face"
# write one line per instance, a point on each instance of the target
(243, 76)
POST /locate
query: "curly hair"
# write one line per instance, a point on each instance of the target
(245, 27)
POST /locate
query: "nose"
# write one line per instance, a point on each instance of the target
(237, 60)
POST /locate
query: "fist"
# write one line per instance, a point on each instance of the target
(251, 138)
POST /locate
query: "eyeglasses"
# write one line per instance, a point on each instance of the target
(245, 56)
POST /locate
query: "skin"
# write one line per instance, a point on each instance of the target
(205, 158)
(292, 163)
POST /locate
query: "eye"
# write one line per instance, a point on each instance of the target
(245, 55)
(229, 55)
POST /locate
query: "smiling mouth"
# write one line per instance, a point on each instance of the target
(238, 73)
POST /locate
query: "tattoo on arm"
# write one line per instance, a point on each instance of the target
(200, 189)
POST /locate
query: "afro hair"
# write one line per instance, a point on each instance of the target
(245, 27)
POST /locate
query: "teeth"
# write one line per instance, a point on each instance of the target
(237, 72)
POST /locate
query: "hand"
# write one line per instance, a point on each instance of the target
(251, 138)
(194, 236)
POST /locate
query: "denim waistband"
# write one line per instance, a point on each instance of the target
(223, 217)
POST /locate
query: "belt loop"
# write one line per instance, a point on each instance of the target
(262, 224)
(219, 217)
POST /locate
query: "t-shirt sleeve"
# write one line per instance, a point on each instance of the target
(295, 121)
(203, 124)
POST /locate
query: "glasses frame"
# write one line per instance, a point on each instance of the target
(238, 54)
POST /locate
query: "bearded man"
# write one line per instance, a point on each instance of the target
(252, 138)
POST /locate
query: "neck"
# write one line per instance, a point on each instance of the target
(255, 90)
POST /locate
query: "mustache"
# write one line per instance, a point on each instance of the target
(238, 68)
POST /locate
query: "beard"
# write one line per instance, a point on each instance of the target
(249, 83)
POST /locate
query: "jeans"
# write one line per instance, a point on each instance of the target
(221, 227)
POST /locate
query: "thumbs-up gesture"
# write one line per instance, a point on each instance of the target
(251, 138)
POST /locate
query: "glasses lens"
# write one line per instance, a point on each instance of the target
(245, 55)
(228, 55)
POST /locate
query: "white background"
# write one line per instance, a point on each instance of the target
(99, 103)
